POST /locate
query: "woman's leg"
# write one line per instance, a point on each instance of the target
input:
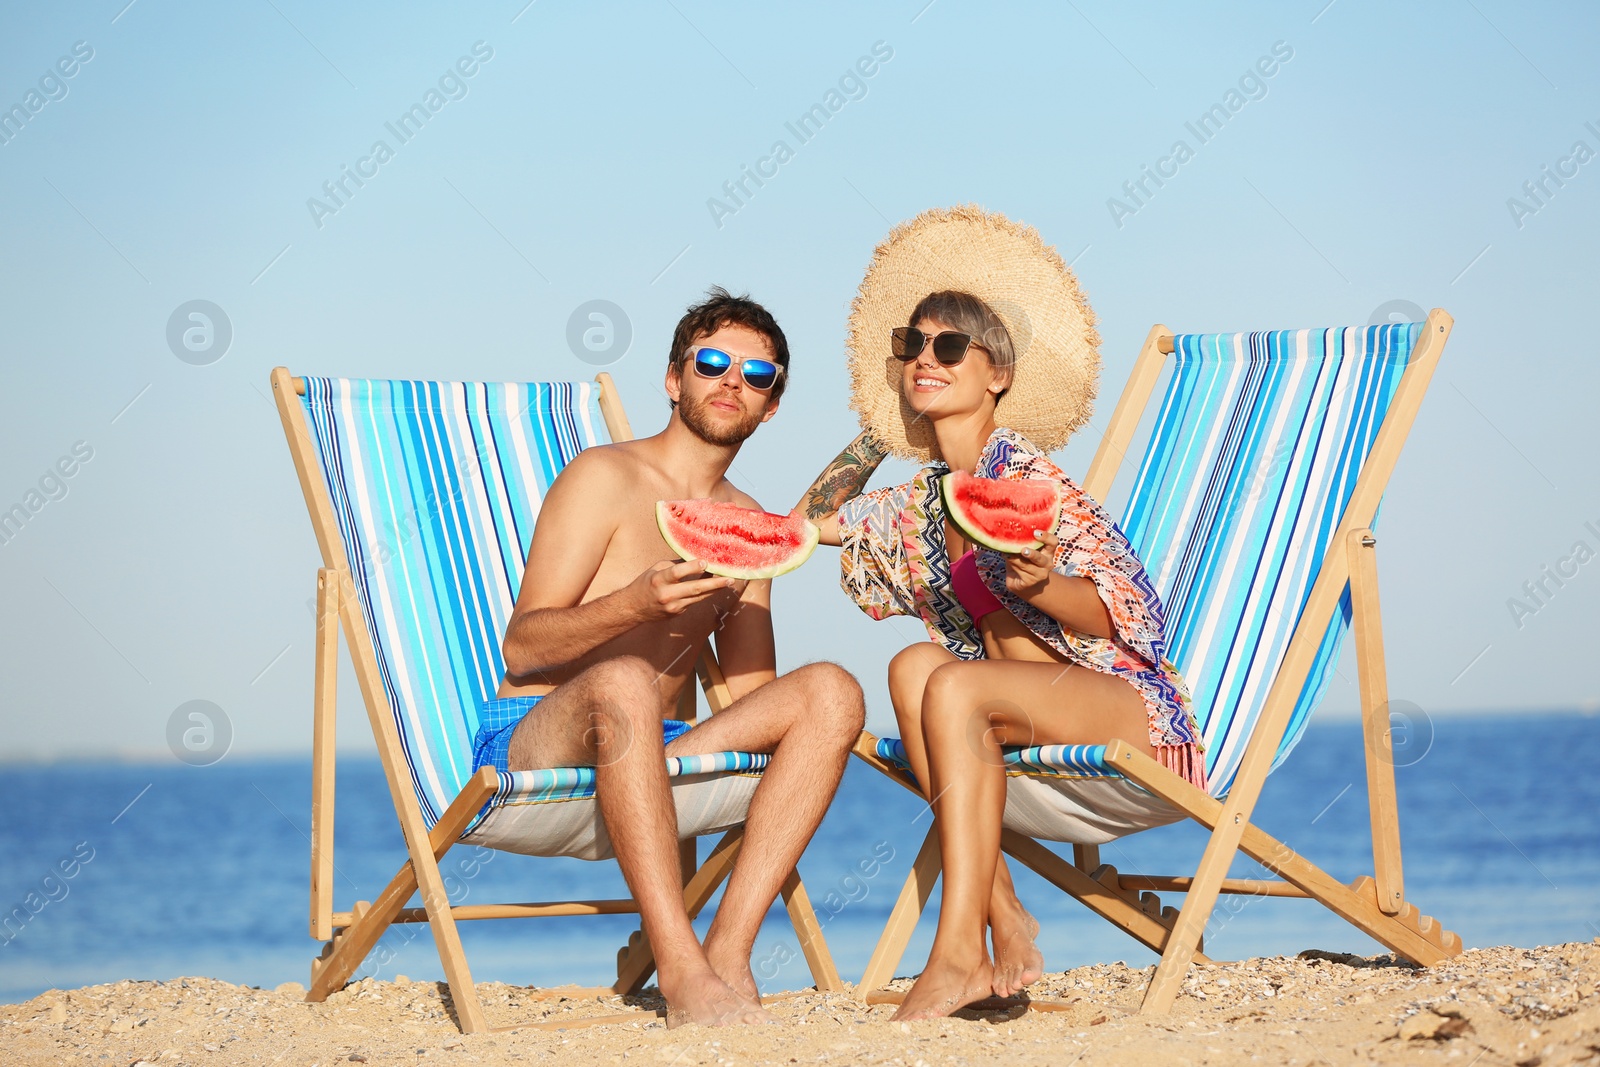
(1017, 960)
(1018, 963)
(908, 678)
(969, 710)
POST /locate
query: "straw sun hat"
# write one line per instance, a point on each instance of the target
(1024, 280)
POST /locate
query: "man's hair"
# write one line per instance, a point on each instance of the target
(719, 309)
(970, 315)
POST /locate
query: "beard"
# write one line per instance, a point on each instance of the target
(699, 418)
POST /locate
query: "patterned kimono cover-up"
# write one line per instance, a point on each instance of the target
(895, 563)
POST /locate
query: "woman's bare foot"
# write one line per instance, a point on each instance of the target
(708, 1000)
(946, 988)
(1018, 963)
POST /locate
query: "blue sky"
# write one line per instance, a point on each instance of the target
(1376, 163)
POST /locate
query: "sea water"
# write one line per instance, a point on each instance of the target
(157, 871)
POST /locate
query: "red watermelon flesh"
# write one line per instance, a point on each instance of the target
(1001, 513)
(736, 542)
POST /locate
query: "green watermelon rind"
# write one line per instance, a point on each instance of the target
(973, 533)
(789, 563)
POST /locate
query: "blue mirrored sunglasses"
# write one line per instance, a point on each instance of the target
(758, 374)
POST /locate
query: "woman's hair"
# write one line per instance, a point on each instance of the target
(969, 314)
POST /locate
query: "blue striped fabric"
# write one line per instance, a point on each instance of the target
(1059, 761)
(577, 783)
(1256, 449)
(436, 488)
(1073, 761)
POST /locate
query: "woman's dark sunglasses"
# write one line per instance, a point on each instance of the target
(949, 348)
(713, 363)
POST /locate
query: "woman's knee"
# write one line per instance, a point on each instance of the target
(912, 664)
(958, 696)
(908, 677)
(948, 684)
(945, 696)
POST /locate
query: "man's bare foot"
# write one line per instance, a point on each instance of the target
(738, 977)
(1018, 963)
(708, 1001)
(946, 988)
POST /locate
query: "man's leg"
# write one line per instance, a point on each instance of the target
(807, 720)
(610, 717)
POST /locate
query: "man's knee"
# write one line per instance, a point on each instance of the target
(837, 694)
(620, 676)
(621, 694)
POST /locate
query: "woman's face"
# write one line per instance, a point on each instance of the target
(937, 391)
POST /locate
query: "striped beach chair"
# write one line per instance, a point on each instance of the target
(1252, 511)
(423, 497)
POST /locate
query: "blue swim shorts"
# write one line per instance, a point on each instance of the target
(498, 719)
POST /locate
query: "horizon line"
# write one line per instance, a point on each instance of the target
(146, 757)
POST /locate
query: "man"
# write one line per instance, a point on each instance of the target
(606, 632)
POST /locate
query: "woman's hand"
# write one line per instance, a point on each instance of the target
(1073, 602)
(1028, 572)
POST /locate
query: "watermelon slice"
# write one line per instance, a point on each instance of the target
(1001, 513)
(736, 542)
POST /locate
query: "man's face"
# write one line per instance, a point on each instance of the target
(725, 410)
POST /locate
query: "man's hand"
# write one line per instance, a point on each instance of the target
(664, 591)
(1028, 572)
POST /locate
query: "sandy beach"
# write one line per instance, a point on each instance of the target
(1486, 1007)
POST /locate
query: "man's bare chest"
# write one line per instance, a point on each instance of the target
(636, 546)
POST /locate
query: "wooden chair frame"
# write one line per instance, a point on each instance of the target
(351, 935)
(1376, 905)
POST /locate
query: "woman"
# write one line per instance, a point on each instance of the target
(1057, 645)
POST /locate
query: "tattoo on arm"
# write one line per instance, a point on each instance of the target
(845, 477)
